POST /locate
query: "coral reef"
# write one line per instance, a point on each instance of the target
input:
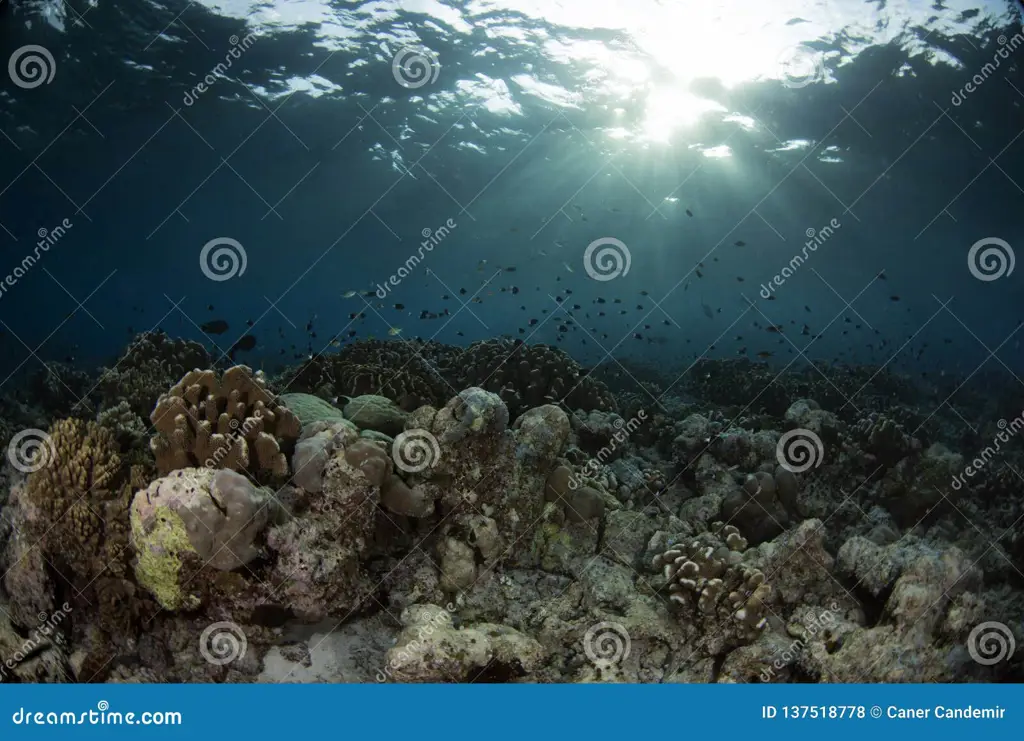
(230, 422)
(151, 364)
(415, 512)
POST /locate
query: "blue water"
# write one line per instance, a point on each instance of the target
(536, 129)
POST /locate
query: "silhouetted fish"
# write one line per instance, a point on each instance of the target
(217, 326)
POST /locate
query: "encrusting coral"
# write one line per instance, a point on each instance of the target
(230, 422)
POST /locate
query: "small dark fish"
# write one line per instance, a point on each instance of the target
(510, 270)
(765, 354)
(739, 278)
(699, 274)
(894, 298)
(881, 276)
(250, 322)
(210, 307)
(689, 213)
(246, 343)
(400, 307)
(462, 291)
(740, 243)
(217, 326)
(807, 309)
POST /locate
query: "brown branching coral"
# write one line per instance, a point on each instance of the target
(722, 598)
(230, 422)
(82, 497)
(144, 371)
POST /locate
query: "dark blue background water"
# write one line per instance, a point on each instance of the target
(538, 136)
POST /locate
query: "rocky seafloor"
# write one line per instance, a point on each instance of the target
(415, 512)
